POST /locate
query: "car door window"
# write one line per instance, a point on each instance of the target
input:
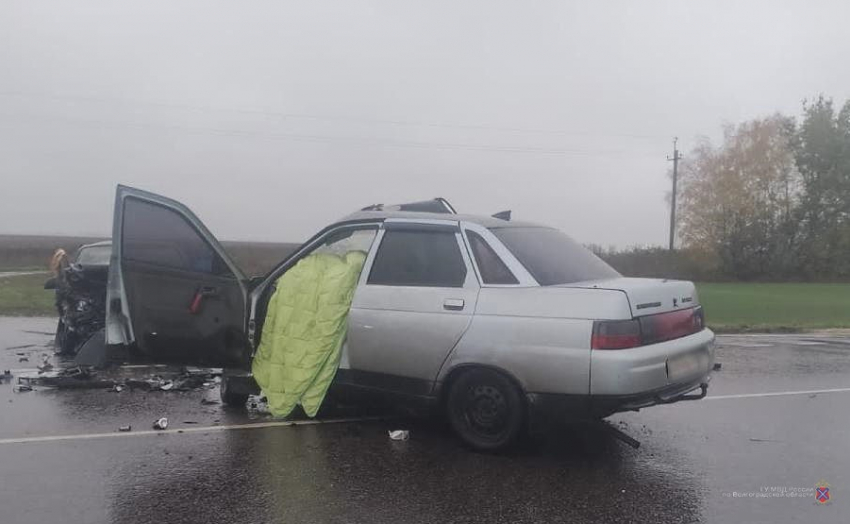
(418, 258)
(159, 236)
(347, 240)
(491, 267)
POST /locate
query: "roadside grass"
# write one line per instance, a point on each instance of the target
(25, 296)
(782, 307)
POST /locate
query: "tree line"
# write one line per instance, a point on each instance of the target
(770, 202)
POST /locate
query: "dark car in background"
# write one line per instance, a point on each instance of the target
(80, 288)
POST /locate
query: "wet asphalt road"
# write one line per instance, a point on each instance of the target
(699, 461)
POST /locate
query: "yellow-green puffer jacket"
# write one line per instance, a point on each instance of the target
(305, 327)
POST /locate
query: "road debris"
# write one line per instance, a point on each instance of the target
(126, 428)
(23, 359)
(258, 404)
(45, 365)
(399, 434)
(25, 346)
(209, 402)
(118, 388)
(717, 366)
(206, 372)
(619, 434)
(161, 423)
(77, 377)
(167, 385)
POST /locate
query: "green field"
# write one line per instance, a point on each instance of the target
(26, 296)
(737, 307)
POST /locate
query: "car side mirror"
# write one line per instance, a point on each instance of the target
(51, 283)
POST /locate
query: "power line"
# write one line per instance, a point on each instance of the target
(333, 118)
(353, 141)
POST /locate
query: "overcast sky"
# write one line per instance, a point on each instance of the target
(271, 119)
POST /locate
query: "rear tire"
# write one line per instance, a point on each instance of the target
(486, 409)
(231, 398)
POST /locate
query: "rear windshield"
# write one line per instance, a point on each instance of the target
(552, 257)
(94, 256)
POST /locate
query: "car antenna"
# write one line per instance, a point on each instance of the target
(503, 215)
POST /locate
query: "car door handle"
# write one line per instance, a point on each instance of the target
(454, 304)
(203, 292)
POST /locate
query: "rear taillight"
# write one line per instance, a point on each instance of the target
(651, 329)
(615, 334)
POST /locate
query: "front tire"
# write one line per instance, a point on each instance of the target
(486, 409)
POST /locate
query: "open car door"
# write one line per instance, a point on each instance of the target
(172, 291)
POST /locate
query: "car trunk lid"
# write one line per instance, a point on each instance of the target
(648, 296)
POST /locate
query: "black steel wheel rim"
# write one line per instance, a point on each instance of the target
(486, 411)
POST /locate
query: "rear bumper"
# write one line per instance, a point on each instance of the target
(604, 405)
(635, 371)
(546, 408)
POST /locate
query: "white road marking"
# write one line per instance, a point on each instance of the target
(745, 344)
(778, 394)
(201, 429)
(825, 336)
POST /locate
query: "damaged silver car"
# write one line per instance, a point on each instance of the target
(498, 323)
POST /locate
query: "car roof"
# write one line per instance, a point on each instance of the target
(484, 221)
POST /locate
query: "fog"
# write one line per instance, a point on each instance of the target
(271, 119)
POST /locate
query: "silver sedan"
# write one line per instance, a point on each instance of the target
(499, 323)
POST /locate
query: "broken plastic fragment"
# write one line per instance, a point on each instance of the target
(45, 363)
(168, 385)
(118, 388)
(161, 423)
(399, 434)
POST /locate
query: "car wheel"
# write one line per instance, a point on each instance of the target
(230, 397)
(486, 409)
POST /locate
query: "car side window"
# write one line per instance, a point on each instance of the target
(490, 265)
(418, 258)
(348, 240)
(159, 236)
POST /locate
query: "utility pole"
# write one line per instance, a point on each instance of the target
(675, 158)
